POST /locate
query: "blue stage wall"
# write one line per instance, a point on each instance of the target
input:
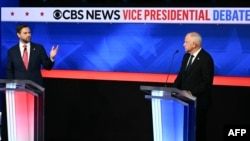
(134, 47)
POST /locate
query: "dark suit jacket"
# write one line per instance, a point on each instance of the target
(38, 57)
(198, 79)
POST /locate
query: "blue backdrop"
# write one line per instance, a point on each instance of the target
(134, 47)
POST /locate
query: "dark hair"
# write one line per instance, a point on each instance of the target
(20, 27)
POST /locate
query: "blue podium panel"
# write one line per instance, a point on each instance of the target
(173, 116)
(172, 120)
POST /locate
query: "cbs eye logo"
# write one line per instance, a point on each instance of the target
(57, 14)
(68, 14)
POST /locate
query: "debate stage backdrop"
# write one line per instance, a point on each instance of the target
(132, 46)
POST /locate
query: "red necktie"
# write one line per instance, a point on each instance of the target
(25, 57)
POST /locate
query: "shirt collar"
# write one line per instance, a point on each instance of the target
(196, 53)
(21, 45)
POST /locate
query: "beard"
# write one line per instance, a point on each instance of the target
(25, 41)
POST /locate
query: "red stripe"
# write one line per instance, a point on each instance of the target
(137, 77)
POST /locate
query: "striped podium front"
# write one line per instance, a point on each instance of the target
(24, 110)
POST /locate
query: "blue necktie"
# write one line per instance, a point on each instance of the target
(189, 63)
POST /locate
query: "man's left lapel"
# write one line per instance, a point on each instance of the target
(32, 55)
(196, 61)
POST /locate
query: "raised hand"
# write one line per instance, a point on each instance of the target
(54, 51)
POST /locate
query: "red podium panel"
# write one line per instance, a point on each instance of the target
(24, 109)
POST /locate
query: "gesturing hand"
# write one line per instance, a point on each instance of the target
(54, 51)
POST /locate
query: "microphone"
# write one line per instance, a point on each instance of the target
(170, 66)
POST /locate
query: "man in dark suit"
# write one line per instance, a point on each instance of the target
(196, 77)
(30, 69)
(36, 57)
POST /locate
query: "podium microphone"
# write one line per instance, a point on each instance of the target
(170, 66)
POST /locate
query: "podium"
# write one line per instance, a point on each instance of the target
(24, 109)
(173, 113)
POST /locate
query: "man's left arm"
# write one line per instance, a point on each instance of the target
(207, 77)
(48, 62)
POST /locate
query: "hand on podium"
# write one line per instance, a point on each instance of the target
(183, 94)
(187, 92)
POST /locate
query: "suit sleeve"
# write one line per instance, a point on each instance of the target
(46, 62)
(178, 80)
(207, 77)
(10, 67)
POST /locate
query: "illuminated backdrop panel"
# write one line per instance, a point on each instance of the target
(146, 48)
(133, 46)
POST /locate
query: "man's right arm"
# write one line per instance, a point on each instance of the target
(10, 68)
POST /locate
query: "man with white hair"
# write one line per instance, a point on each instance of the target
(196, 77)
